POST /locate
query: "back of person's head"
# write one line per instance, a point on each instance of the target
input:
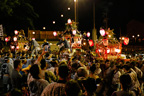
(82, 72)
(93, 68)
(63, 71)
(43, 63)
(16, 63)
(54, 63)
(72, 88)
(127, 67)
(133, 64)
(90, 85)
(34, 71)
(126, 81)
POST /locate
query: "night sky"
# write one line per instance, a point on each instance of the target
(119, 13)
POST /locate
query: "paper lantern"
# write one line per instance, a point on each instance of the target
(15, 39)
(6, 39)
(126, 41)
(16, 32)
(88, 34)
(102, 32)
(55, 33)
(69, 21)
(74, 32)
(91, 43)
(17, 47)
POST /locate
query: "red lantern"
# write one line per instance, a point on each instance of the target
(74, 32)
(16, 32)
(15, 39)
(6, 39)
(91, 43)
(105, 42)
(126, 41)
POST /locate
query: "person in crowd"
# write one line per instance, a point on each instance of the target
(6, 70)
(37, 85)
(46, 74)
(63, 43)
(92, 72)
(126, 82)
(72, 88)
(36, 47)
(135, 83)
(11, 59)
(16, 78)
(58, 88)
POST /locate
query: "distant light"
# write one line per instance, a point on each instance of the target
(88, 34)
(44, 28)
(15, 39)
(75, 0)
(117, 50)
(33, 38)
(53, 22)
(55, 33)
(99, 50)
(61, 15)
(16, 32)
(68, 8)
(138, 35)
(119, 37)
(74, 32)
(109, 36)
(33, 32)
(133, 36)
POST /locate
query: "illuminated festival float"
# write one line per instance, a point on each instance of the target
(74, 37)
(108, 47)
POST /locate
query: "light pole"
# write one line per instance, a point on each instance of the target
(75, 9)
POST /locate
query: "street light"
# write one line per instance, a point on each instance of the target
(61, 15)
(68, 8)
(53, 22)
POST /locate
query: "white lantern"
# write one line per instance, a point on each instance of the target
(108, 50)
(102, 32)
(55, 33)
(15, 39)
(69, 21)
(74, 32)
(16, 32)
(88, 34)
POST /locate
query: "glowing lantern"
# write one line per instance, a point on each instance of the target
(74, 32)
(88, 34)
(33, 38)
(126, 41)
(105, 42)
(17, 47)
(69, 21)
(108, 50)
(16, 32)
(55, 33)
(6, 39)
(33, 32)
(12, 47)
(91, 43)
(117, 50)
(102, 32)
(15, 39)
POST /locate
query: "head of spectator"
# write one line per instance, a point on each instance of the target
(72, 88)
(63, 72)
(125, 81)
(35, 71)
(126, 68)
(133, 64)
(82, 73)
(43, 64)
(78, 51)
(93, 68)
(107, 64)
(18, 65)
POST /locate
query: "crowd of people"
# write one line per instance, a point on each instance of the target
(66, 73)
